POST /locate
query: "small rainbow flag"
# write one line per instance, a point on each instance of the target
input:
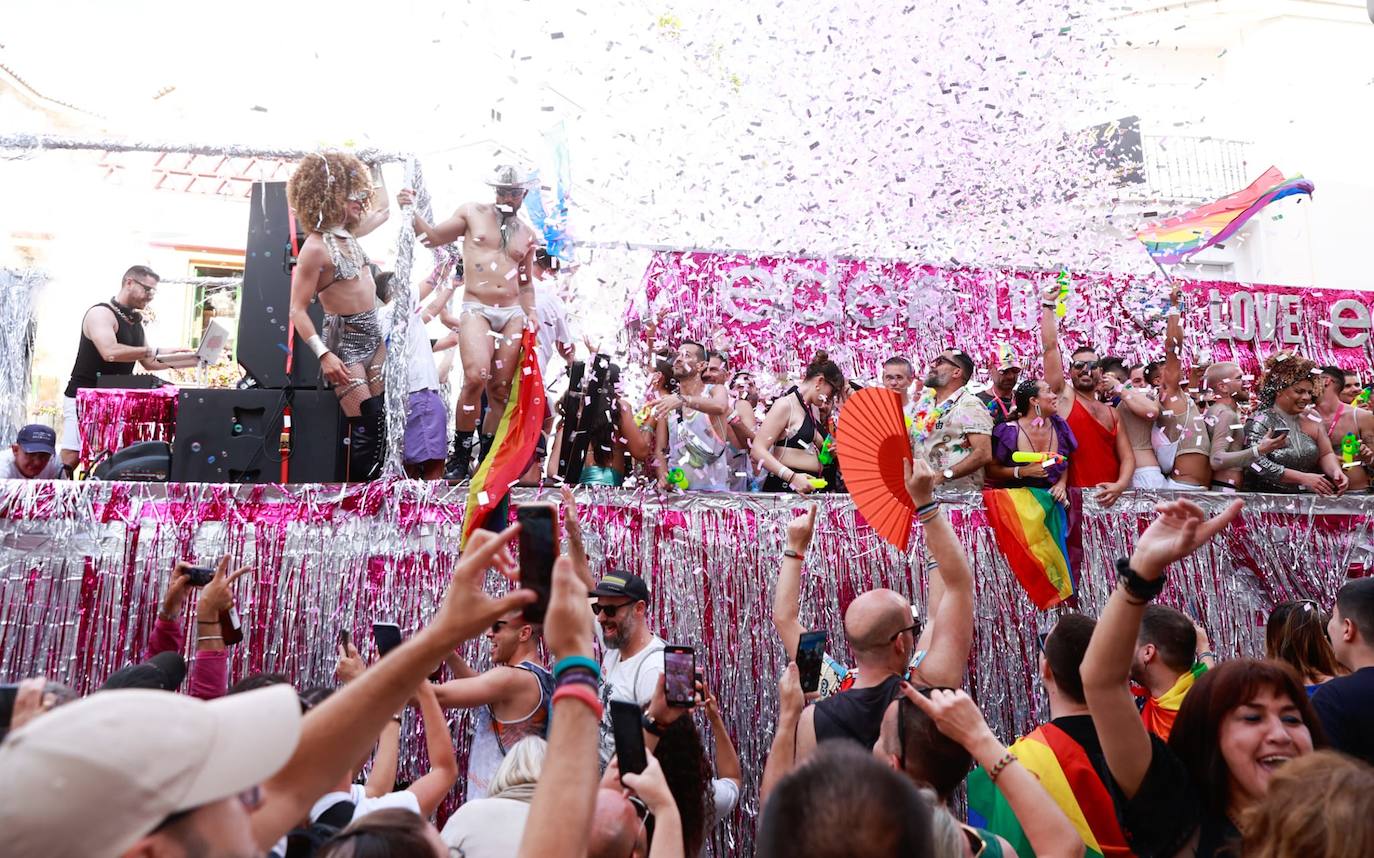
(1031, 528)
(513, 447)
(1177, 238)
(1067, 774)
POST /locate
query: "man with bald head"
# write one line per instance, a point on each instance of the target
(616, 829)
(883, 630)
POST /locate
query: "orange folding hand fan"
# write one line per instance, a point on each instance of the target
(872, 443)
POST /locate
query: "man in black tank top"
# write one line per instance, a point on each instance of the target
(112, 340)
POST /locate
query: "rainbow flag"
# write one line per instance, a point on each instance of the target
(513, 447)
(1067, 774)
(1177, 238)
(1031, 528)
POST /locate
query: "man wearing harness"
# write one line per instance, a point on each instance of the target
(330, 194)
(112, 340)
(1105, 460)
(514, 697)
(498, 302)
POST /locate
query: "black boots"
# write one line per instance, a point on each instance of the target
(459, 465)
(367, 441)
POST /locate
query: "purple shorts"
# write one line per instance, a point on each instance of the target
(426, 438)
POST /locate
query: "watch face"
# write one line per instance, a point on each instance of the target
(949, 473)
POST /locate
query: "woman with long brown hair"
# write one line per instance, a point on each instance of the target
(1296, 634)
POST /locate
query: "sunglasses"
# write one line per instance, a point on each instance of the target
(1085, 364)
(497, 626)
(914, 628)
(1040, 640)
(609, 610)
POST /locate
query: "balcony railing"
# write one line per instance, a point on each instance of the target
(1192, 168)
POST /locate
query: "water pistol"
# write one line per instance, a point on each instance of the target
(1362, 398)
(678, 477)
(643, 414)
(1350, 447)
(1026, 457)
(817, 483)
(1061, 306)
(826, 455)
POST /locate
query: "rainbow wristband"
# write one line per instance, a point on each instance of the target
(579, 692)
(571, 661)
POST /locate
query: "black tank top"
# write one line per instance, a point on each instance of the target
(90, 365)
(805, 436)
(856, 714)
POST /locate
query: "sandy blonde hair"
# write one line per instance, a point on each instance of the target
(1320, 805)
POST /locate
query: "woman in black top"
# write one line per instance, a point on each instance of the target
(790, 437)
(1237, 726)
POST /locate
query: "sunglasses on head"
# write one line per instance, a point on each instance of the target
(1085, 364)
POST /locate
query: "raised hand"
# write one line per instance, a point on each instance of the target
(467, 610)
(799, 530)
(1180, 529)
(954, 713)
(919, 477)
(218, 595)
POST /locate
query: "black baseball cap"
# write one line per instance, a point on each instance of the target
(162, 672)
(37, 438)
(622, 583)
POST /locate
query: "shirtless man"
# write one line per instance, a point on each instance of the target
(1104, 459)
(330, 194)
(498, 302)
(1340, 420)
(1224, 384)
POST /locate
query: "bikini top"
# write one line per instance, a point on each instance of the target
(347, 266)
(805, 436)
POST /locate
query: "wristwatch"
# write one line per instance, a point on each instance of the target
(651, 726)
(1136, 586)
(948, 473)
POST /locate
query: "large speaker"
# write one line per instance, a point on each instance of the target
(234, 436)
(264, 334)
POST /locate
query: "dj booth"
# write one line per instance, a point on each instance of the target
(281, 425)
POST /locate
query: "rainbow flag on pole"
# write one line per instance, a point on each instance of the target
(1177, 238)
(1032, 528)
(513, 447)
(1067, 774)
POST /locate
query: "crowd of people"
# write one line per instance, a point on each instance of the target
(1154, 745)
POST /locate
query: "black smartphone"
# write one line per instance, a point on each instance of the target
(387, 636)
(199, 575)
(230, 627)
(8, 692)
(1279, 431)
(679, 675)
(345, 637)
(627, 723)
(538, 550)
(810, 650)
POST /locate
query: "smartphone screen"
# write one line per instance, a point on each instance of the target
(627, 723)
(199, 575)
(387, 637)
(810, 649)
(538, 550)
(679, 676)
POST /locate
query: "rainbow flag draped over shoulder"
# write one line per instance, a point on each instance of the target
(513, 446)
(1066, 773)
(1176, 238)
(1031, 528)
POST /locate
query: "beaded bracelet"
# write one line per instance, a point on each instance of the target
(571, 661)
(579, 677)
(582, 693)
(1007, 759)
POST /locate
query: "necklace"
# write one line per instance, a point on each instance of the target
(128, 314)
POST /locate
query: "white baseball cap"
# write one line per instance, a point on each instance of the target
(92, 777)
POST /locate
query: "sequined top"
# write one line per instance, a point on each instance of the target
(1300, 454)
(348, 265)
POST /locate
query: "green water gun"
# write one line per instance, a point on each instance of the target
(1350, 447)
(826, 455)
(1061, 306)
(1362, 398)
(678, 477)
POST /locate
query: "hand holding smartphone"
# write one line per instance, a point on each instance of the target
(387, 637)
(679, 676)
(199, 575)
(538, 551)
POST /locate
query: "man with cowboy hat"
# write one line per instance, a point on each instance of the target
(498, 301)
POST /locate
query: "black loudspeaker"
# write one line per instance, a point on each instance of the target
(234, 436)
(264, 334)
(228, 436)
(318, 430)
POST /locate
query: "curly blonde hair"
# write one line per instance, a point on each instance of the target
(319, 189)
(1282, 370)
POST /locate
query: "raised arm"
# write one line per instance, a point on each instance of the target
(1046, 827)
(379, 215)
(382, 779)
(952, 635)
(635, 438)
(482, 689)
(787, 592)
(782, 755)
(727, 758)
(1172, 370)
(444, 233)
(431, 788)
(1180, 528)
(1049, 340)
(341, 730)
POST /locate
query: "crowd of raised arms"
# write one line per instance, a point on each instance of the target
(1154, 747)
